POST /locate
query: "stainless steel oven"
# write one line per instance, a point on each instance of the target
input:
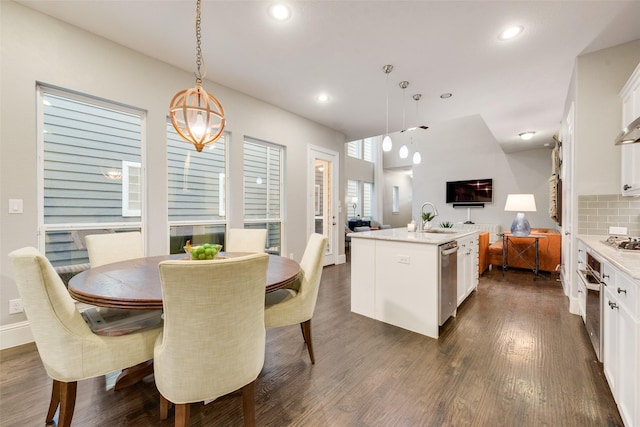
(592, 277)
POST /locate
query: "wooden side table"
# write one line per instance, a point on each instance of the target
(508, 237)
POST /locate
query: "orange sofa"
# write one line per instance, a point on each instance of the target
(548, 251)
(483, 252)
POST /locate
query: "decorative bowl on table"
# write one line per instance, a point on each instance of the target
(206, 251)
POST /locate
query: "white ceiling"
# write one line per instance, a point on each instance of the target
(339, 47)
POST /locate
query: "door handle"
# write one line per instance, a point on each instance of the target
(566, 233)
(333, 223)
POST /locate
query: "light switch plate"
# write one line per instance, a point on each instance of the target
(15, 206)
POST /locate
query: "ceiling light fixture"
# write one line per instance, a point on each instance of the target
(416, 98)
(527, 135)
(404, 151)
(280, 12)
(446, 95)
(417, 157)
(511, 32)
(387, 144)
(323, 97)
(197, 116)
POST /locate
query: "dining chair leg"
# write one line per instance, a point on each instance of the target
(164, 408)
(249, 404)
(55, 401)
(302, 329)
(67, 402)
(182, 414)
(306, 333)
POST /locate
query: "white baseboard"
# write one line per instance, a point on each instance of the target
(341, 259)
(15, 334)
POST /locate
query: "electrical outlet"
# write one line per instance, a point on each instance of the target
(15, 306)
(404, 259)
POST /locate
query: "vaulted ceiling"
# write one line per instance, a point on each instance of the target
(339, 48)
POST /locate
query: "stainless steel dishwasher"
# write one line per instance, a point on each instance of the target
(448, 281)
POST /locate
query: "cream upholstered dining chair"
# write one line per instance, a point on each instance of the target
(246, 240)
(106, 249)
(69, 350)
(213, 341)
(113, 247)
(290, 306)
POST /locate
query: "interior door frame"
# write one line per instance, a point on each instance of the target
(316, 152)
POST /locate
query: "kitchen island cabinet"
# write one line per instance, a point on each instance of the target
(620, 325)
(395, 276)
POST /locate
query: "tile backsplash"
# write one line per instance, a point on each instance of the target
(597, 213)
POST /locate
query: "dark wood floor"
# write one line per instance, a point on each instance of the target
(513, 356)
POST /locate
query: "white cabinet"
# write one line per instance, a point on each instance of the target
(467, 266)
(630, 153)
(621, 334)
(396, 282)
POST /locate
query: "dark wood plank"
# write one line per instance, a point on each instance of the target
(514, 355)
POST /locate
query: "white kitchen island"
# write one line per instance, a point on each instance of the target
(395, 276)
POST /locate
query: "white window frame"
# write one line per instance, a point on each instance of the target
(127, 210)
(41, 90)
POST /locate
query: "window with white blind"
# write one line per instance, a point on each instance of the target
(367, 199)
(88, 148)
(362, 149)
(368, 146)
(263, 189)
(354, 149)
(197, 191)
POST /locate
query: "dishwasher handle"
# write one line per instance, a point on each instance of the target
(449, 249)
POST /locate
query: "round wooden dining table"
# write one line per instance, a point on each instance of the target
(135, 284)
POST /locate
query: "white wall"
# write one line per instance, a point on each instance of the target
(37, 48)
(463, 149)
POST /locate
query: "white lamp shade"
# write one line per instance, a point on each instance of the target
(387, 144)
(417, 158)
(520, 203)
(354, 200)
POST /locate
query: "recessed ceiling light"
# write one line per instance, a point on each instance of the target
(511, 32)
(323, 97)
(280, 12)
(446, 95)
(527, 135)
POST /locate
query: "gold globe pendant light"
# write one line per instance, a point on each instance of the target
(197, 116)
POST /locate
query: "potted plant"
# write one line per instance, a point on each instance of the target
(426, 220)
(446, 224)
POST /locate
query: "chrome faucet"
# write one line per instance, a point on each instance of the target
(435, 211)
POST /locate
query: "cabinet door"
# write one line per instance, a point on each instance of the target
(461, 286)
(609, 339)
(627, 388)
(630, 169)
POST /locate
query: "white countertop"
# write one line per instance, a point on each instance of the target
(628, 262)
(402, 235)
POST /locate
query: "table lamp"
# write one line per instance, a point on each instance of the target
(354, 201)
(520, 203)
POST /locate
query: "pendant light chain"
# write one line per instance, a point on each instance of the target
(196, 115)
(199, 57)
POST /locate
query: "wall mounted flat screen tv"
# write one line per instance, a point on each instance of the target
(470, 191)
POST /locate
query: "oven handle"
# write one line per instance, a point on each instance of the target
(595, 274)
